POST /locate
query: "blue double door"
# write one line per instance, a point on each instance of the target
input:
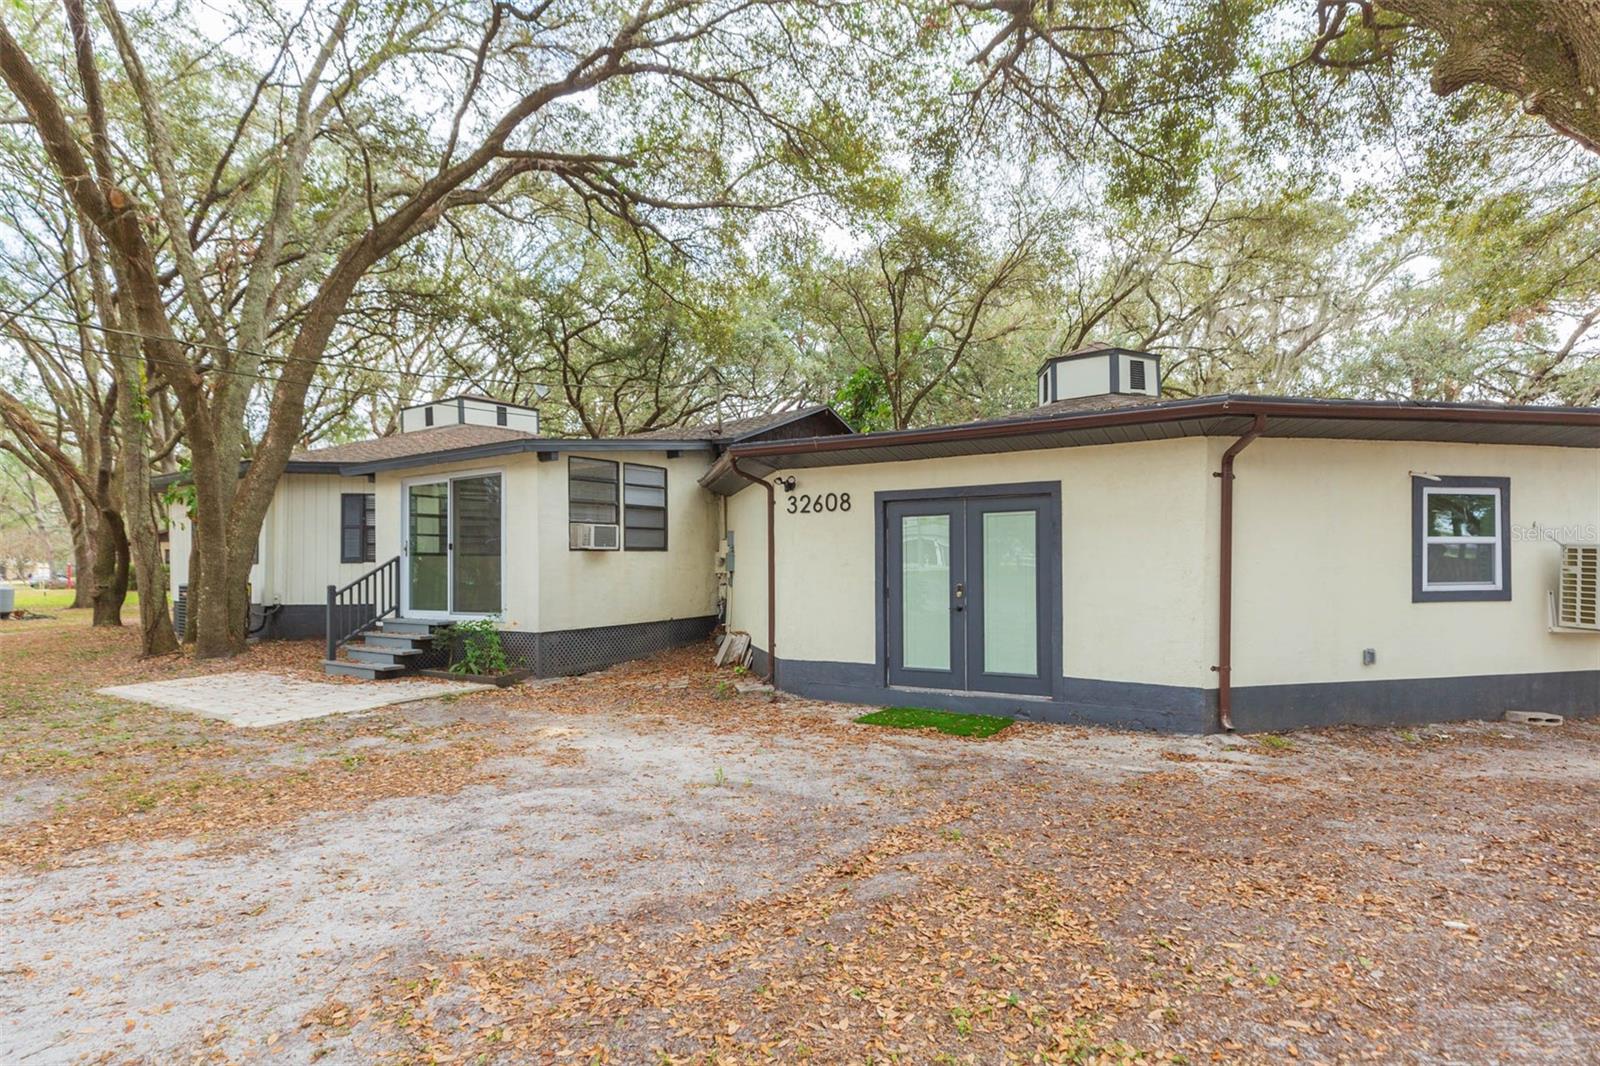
(968, 585)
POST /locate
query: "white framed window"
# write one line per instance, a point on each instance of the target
(1461, 548)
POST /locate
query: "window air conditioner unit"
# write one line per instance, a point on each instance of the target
(594, 536)
(1577, 598)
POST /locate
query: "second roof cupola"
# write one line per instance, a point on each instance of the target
(1099, 370)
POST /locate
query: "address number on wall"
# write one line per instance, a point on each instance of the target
(804, 503)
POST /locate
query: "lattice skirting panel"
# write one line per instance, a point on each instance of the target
(577, 651)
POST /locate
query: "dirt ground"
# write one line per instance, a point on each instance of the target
(642, 866)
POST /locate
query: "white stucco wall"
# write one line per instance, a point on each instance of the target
(580, 589)
(1322, 562)
(520, 477)
(1134, 557)
(546, 586)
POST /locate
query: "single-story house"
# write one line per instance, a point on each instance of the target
(587, 552)
(1108, 556)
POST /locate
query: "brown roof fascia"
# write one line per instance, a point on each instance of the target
(1355, 410)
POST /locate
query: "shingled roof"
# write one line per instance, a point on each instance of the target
(405, 445)
(443, 444)
(737, 429)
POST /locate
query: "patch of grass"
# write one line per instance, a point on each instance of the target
(1275, 742)
(957, 725)
(52, 600)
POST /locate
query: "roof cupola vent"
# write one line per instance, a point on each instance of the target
(468, 410)
(1099, 370)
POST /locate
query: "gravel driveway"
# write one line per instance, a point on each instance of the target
(639, 867)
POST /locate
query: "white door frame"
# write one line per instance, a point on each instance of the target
(450, 554)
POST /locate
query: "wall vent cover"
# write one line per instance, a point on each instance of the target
(1578, 598)
(1136, 374)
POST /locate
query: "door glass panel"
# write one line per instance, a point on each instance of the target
(925, 591)
(1010, 593)
(427, 532)
(475, 502)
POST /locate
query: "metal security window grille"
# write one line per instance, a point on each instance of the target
(358, 528)
(644, 508)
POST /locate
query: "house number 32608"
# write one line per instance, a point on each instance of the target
(802, 503)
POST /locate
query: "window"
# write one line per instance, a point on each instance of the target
(644, 508)
(1460, 546)
(591, 495)
(500, 415)
(358, 532)
(427, 415)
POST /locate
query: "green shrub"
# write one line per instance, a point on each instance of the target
(482, 652)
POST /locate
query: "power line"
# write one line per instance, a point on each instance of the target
(279, 360)
(67, 349)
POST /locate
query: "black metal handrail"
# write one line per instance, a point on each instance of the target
(353, 608)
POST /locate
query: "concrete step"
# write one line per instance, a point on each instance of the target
(361, 653)
(376, 639)
(370, 671)
(406, 625)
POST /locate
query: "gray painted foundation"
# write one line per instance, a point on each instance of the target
(1160, 708)
(290, 621)
(1415, 701)
(549, 654)
(1260, 708)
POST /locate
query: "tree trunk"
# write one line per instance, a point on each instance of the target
(208, 590)
(155, 625)
(82, 564)
(110, 569)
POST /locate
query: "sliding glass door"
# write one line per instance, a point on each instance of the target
(475, 544)
(427, 548)
(452, 546)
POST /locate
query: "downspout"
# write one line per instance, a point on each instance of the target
(1224, 667)
(772, 570)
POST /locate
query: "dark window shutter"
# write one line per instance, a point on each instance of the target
(352, 527)
(1136, 374)
(500, 415)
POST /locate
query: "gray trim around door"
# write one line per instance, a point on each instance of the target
(1048, 494)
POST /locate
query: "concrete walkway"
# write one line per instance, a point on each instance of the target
(263, 699)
